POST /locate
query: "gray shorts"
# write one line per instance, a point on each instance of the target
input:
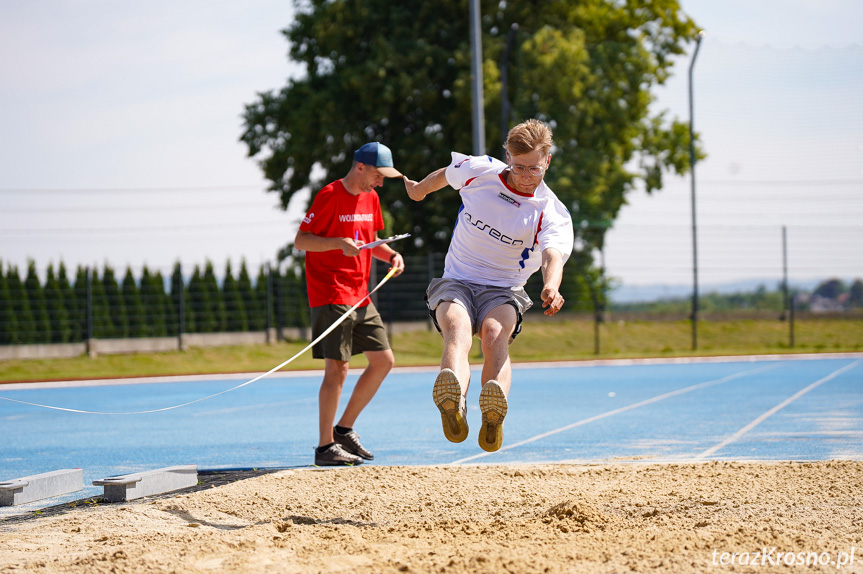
(477, 299)
(363, 330)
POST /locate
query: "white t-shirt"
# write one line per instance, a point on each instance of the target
(500, 233)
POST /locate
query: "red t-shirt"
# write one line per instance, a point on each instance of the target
(332, 277)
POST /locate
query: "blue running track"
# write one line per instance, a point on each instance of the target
(771, 408)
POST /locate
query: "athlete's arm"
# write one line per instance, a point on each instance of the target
(432, 182)
(306, 241)
(552, 275)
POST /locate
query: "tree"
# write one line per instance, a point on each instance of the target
(71, 304)
(8, 320)
(103, 310)
(263, 295)
(235, 311)
(199, 319)
(830, 289)
(36, 296)
(114, 301)
(178, 299)
(155, 303)
(214, 299)
(79, 316)
(855, 296)
(254, 316)
(56, 307)
(132, 306)
(399, 73)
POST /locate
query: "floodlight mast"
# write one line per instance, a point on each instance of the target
(698, 38)
(476, 73)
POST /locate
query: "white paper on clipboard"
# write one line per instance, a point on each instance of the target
(373, 244)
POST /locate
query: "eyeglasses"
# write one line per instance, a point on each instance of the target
(533, 170)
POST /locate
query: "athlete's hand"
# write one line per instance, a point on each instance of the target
(349, 247)
(552, 300)
(413, 192)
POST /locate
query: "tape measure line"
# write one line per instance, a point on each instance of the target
(258, 378)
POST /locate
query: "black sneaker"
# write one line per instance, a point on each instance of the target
(335, 455)
(350, 441)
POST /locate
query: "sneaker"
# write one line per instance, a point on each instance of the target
(335, 455)
(350, 441)
(453, 409)
(492, 404)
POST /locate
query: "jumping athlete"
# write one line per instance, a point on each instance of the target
(510, 225)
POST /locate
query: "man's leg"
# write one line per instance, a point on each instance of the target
(380, 364)
(457, 334)
(450, 386)
(495, 332)
(335, 373)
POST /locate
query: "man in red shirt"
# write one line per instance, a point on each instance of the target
(345, 215)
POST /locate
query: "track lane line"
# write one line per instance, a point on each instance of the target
(760, 419)
(617, 411)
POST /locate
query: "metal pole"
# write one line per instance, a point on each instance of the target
(181, 308)
(784, 275)
(476, 72)
(698, 38)
(788, 296)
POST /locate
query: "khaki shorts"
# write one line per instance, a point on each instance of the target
(363, 330)
(477, 299)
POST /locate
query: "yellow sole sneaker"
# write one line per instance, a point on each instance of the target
(492, 404)
(453, 410)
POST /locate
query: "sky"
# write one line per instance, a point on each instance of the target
(120, 126)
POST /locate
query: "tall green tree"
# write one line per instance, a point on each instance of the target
(103, 310)
(70, 302)
(179, 298)
(263, 296)
(134, 309)
(235, 311)
(214, 299)
(155, 302)
(78, 317)
(399, 73)
(114, 301)
(247, 295)
(56, 305)
(8, 320)
(38, 305)
(855, 298)
(20, 306)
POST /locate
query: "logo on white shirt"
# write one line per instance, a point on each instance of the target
(509, 199)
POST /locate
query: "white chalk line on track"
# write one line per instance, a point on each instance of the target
(428, 369)
(764, 416)
(620, 410)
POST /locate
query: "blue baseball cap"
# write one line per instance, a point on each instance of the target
(378, 155)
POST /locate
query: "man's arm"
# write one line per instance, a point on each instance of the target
(306, 241)
(432, 182)
(386, 253)
(552, 275)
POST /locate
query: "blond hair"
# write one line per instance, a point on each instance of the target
(528, 136)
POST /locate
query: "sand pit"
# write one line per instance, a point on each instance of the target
(620, 517)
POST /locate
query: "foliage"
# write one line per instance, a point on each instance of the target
(759, 300)
(399, 73)
(56, 306)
